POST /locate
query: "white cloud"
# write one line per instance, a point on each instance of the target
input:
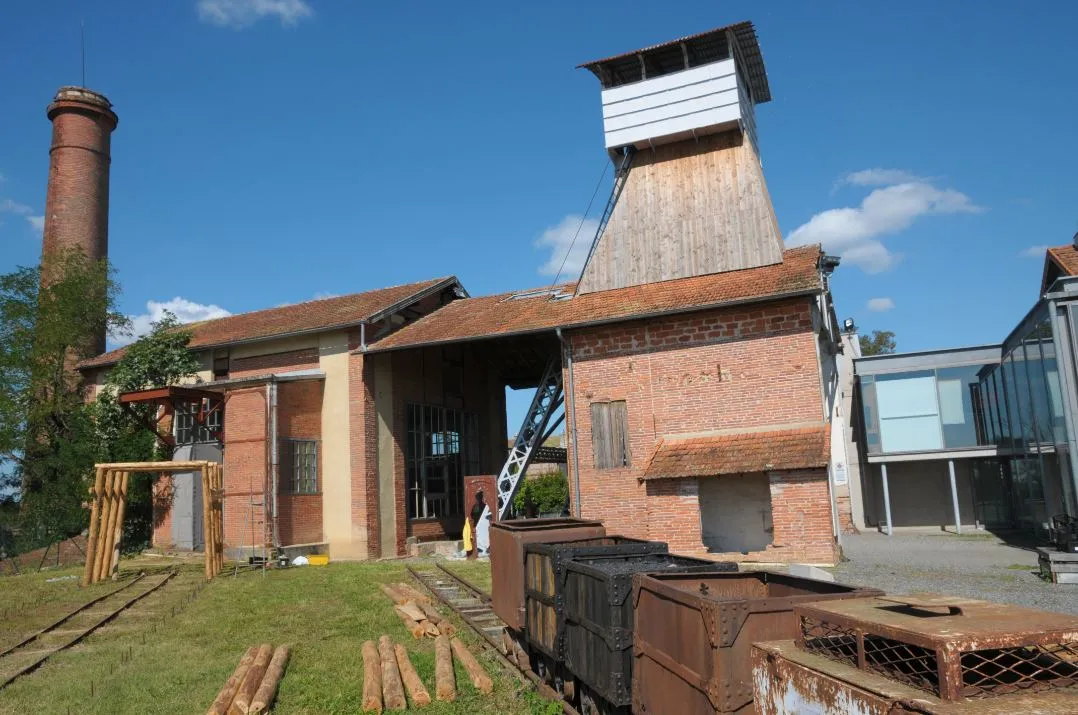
(241, 13)
(8, 206)
(186, 311)
(559, 239)
(37, 222)
(879, 305)
(880, 177)
(854, 233)
(1033, 252)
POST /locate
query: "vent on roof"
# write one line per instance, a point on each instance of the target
(554, 293)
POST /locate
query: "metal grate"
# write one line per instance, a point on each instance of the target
(987, 673)
(828, 639)
(904, 662)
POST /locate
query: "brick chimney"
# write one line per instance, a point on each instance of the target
(77, 198)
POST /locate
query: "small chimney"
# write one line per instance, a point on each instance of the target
(77, 198)
(694, 200)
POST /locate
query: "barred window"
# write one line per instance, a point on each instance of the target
(301, 459)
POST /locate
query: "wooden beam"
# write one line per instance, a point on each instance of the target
(96, 492)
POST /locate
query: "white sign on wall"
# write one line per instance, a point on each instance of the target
(840, 474)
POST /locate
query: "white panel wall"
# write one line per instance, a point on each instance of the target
(666, 108)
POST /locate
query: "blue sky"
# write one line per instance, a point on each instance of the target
(272, 151)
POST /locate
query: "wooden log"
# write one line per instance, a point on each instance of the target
(444, 626)
(372, 678)
(118, 532)
(95, 527)
(108, 517)
(267, 690)
(445, 685)
(228, 692)
(215, 517)
(392, 687)
(412, 610)
(188, 466)
(417, 692)
(220, 502)
(207, 524)
(480, 679)
(394, 595)
(411, 593)
(430, 629)
(246, 692)
(414, 628)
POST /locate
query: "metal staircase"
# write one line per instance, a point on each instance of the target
(531, 435)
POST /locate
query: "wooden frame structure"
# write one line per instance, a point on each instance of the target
(109, 501)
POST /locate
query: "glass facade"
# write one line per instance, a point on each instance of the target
(1015, 405)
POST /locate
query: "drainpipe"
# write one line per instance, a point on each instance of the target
(363, 336)
(271, 402)
(570, 405)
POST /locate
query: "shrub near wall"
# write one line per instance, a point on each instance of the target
(547, 494)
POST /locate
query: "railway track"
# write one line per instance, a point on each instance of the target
(33, 650)
(473, 605)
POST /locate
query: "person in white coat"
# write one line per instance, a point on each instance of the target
(482, 517)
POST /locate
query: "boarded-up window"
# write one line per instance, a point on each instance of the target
(610, 434)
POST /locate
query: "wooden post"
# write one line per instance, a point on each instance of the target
(251, 681)
(434, 617)
(219, 513)
(395, 596)
(267, 691)
(445, 686)
(480, 679)
(118, 532)
(411, 594)
(107, 521)
(228, 692)
(372, 678)
(207, 525)
(392, 687)
(416, 690)
(95, 526)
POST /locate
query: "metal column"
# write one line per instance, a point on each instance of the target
(954, 499)
(886, 498)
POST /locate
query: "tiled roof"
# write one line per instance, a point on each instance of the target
(499, 315)
(743, 452)
(1066, 257)
(316, 315)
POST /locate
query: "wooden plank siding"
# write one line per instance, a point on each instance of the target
(689, 208)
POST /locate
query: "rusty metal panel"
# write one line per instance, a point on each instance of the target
(507, 540)
(951, 647)
(693, 635)
(544, 582)
(790, 681)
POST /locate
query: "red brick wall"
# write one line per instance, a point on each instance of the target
(363, 440)
(733, 368)
(245, 465)
(299, 416)
(290, 361)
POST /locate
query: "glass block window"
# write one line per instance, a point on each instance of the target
(195, 423)
(301, 461)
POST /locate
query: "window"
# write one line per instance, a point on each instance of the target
(610, 434)
(220, 365)
(442, 448)
(196, 422)
(301, 458)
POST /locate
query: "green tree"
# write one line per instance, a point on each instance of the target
(47, 435)
(157, 359)
(881, 342)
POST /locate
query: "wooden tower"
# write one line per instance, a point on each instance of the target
(681, 117)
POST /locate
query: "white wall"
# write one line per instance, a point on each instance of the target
(671, 106)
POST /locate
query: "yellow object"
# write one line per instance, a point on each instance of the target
(318, 560)
(467, 535)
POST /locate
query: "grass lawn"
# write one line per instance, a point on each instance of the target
(148, 660)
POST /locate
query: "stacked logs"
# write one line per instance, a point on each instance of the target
(388, 674)
(253, 685)
(108, 504)
(416, 611)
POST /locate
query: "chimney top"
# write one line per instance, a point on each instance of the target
(81, 98)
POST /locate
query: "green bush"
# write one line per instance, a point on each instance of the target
(545, 494)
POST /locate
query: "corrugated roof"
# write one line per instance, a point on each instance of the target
(740, 453)
(503, 315)
(749, 44)
(316, 315)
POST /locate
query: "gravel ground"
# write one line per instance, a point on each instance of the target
(975, 566)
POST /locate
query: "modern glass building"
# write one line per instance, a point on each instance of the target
(981, 436)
